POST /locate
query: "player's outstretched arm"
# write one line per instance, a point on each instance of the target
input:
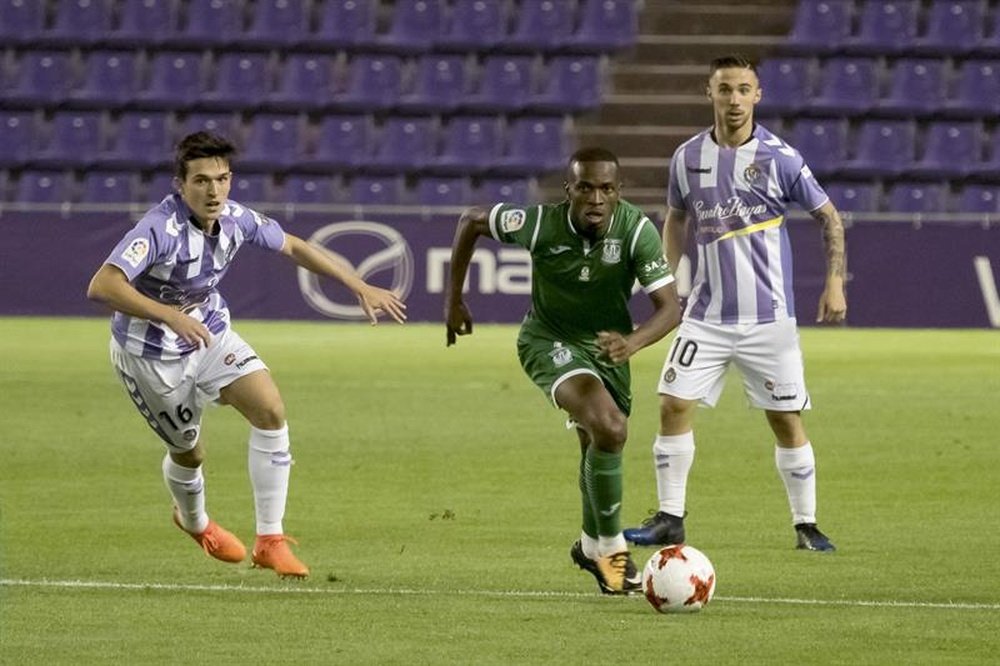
(832, 302)
(473, 223)
(373, 300)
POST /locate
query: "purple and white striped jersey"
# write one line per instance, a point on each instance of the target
(171, 260)
(737, 198)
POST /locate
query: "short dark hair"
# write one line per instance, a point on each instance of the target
(732, 60)
(590, 154)
(198, 145)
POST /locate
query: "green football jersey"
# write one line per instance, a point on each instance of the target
(579, 287)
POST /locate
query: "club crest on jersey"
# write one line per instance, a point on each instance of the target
(584, 274)
(136, 252)
(612, 253)
(560, 356)
(512, 220)
(752, 174)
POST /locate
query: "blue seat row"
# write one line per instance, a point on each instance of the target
(365, 82)
(411, 26)
(915, 197)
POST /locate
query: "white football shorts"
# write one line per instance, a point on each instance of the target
(171, 395)
(768, 357)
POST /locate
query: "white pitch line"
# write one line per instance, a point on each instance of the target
(516, 594)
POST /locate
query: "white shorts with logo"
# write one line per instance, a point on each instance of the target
(171, 395)
(767, 355)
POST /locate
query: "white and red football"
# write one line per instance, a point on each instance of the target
(678, 579)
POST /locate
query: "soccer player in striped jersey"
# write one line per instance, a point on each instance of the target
(175, 352)
(587, 252)
(733, 183)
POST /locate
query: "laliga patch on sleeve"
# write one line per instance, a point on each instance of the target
(136, 252)
(512, 220)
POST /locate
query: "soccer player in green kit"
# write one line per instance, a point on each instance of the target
(575, 342)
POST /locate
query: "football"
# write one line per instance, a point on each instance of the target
(678, 579)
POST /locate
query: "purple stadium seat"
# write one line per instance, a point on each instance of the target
(110, 81)
(78, 23)
(537, 145)
(476, 25)
(42, 80)
(224, 124)
(989, 45)
(373, 84)
(144, 23)
(882, 148)
(541, 25)
(110, 187)
(305, 83)
(215, 22)
(853, 197)
(820, 26)
(440, 85)
(951, 149)
(404, 145)
(21, 21)
(45, 186)
(159, 185)
(977, 90)
(954, 27)
(441, 191)
(241, 82)
(978, 198)
(506, 190)
(272, 143)
(378, 190)
(785, 85)
(823, 144)
(471, 144)
(251, 189)
(310, 189)
(343, 143)
(990, 166)
(605, 25)
(17, 136)
(574, 85)
(142, 140)
(175, 81)
(276, 24)
(345, 24)
(75, 139)
(506, 83)
(916, 88)
(917, 198)
(886, 27)
(848, 86)
(415, 27)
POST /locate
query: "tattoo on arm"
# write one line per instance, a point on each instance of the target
(833, 240)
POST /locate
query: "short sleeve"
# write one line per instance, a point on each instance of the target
(652, 269)
(259, 229)
(138, 249)
(514, 224)
(675, 189)
(806, 191)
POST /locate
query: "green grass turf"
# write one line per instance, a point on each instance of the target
(435, 498)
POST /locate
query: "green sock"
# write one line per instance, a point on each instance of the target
(603, 475)
(589, 515)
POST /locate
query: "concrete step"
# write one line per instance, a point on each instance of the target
(700, 49)
(655, 109)
(696, 18)
(644, 78)
(634, 140)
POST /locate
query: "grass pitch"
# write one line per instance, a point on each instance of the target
(434, 495)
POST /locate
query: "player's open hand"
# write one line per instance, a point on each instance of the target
(375, 301)
(458, 321)
(615, 346)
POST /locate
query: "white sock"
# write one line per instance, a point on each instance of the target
(589, 545)
(270, 462)
(187, 487)
(673, 456)
(609, 545)
(797, 468)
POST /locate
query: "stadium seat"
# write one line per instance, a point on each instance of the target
(143, 23)
(443, 191)
(241, 82)
(21, 21)
(224, 124)
(990, 167)
(470, 145)
(505, 84)
(215, 22)
(819, 27)
(141, 140)
(17, 136)
(822, 143)
(917, 198)
(276, 24)
(272, 143)
(110, 187)
(75, 139)
(882, 148)
(978, 198)
(916, 88)
(475, 25)
(76, 23)
(42, 80)
(251, 189)
(605, 25)
(886, 27)
(954, 27)
(506, 190)
(378, 190)
(110, 81)
(309, 189)
(951, 149)
(404, 145)
(415, 27)
(853, 197)
(157, 186)
(574, 85)
(536, 145)
(45, 186)
(374, 83)
(785, 85)
(343, 142)
(305, 82)
(345, 24)
(175, 81)
(439, 85)
(977, 90)
(541, 25)
(848, 86)
(989, 45)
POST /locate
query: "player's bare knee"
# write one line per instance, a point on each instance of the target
(609, 431)
(270, 417)
(787, 427)
(191, 458)
(675, 414)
